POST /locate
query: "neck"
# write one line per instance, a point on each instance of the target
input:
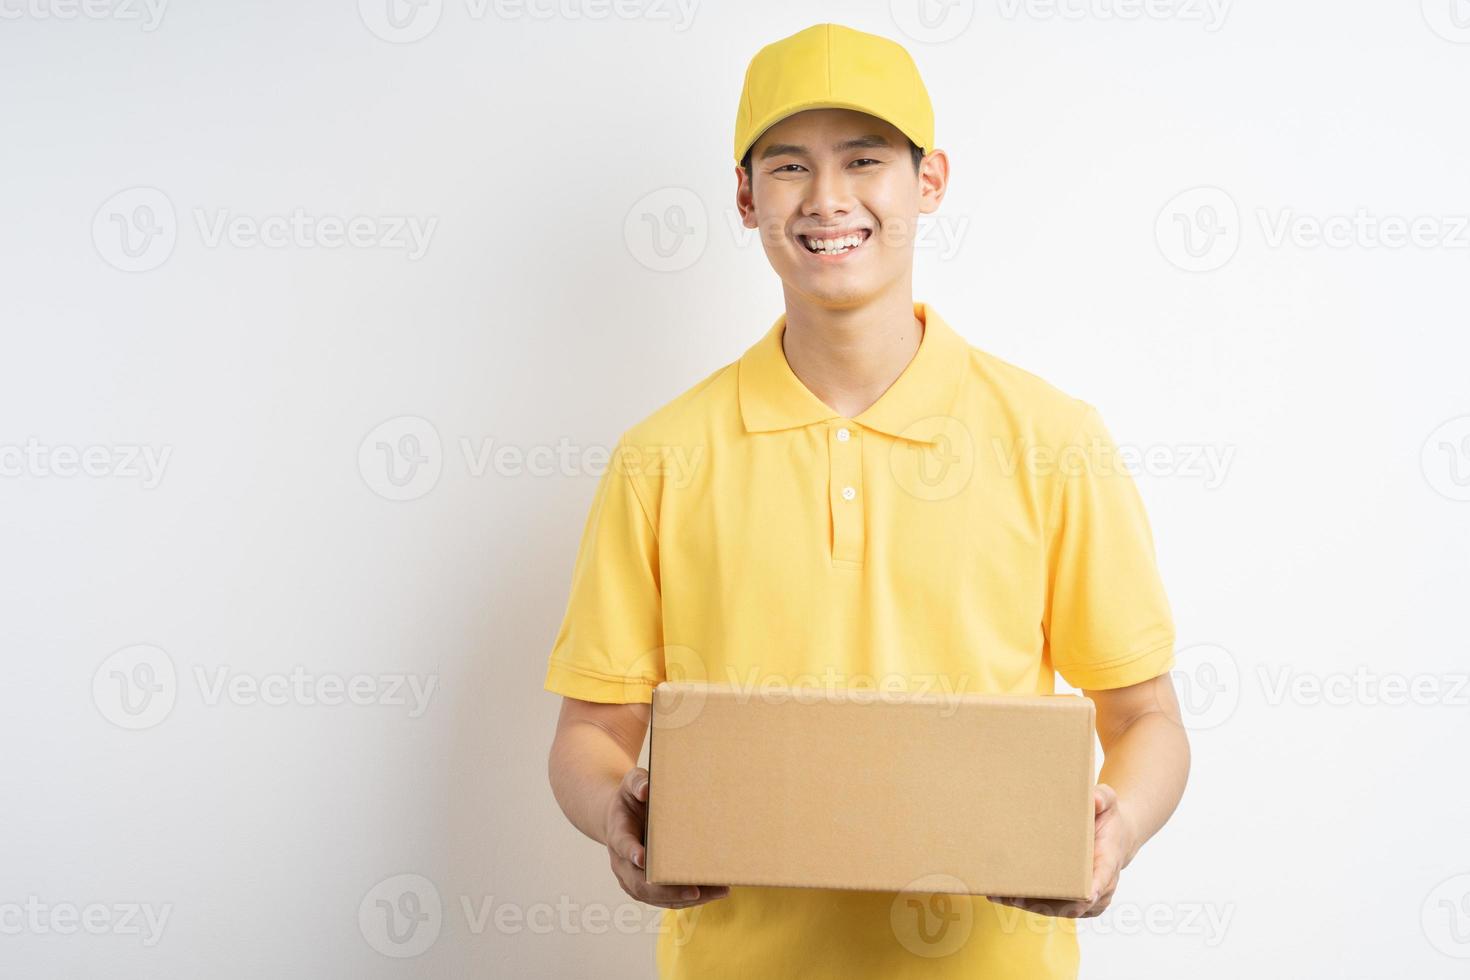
(849, 357)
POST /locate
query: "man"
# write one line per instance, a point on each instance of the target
(862, 495)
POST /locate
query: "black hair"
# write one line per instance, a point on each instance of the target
(914, 151)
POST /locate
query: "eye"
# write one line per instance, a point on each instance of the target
(784, 166)
(867, 160)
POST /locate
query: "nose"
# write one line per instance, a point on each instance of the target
(829, 193)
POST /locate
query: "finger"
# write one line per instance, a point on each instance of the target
(1106, 867)
(625, 837)
(664, 896)
(1062, 910)
(1104, 798)
(634, 788)
(707, 894)
(1100, 906)
(1104, 880)
(675, 896)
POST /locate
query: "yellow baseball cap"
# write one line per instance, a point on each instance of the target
(828, 66)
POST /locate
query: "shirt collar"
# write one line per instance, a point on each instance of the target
(772, 397)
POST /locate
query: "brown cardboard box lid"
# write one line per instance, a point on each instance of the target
(829, 788)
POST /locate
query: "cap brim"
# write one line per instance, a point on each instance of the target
(788, 111)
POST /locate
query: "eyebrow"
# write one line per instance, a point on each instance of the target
(872, 142)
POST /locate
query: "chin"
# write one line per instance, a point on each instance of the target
(836, 295)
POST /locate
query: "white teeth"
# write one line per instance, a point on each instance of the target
(831, 245)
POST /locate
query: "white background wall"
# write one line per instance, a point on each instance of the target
(1322, 834)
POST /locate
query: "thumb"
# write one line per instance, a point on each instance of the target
(635, 785)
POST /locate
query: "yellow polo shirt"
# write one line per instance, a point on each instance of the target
(971, 531)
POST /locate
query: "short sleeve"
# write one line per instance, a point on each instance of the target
(609, 647)
(1107, 620)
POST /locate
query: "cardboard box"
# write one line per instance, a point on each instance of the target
(821, 788)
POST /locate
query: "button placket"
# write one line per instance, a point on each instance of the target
(845, 447)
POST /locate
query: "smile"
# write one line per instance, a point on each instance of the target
(836, 244)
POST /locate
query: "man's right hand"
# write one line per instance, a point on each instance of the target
(627, 812)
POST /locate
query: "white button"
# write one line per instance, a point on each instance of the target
(843, 435)
(848, 493)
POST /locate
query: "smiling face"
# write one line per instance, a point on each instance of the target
(835, 197)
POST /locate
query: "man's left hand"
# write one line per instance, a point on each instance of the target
(1113, 844)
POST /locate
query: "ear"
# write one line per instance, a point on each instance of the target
(744, 197)
(933, 180)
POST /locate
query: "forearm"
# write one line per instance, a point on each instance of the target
(586, 766)
(1147, 764)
